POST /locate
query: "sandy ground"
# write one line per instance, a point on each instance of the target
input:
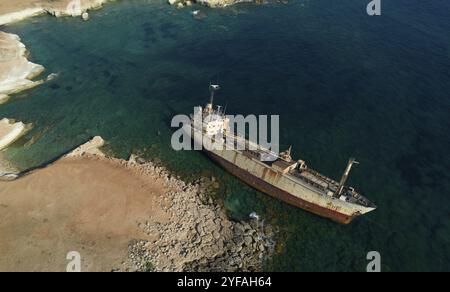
(88, 205)
(8, 6)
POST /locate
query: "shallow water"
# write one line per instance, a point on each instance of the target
(344, 84)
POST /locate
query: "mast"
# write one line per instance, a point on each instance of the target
(213, 88)
(344, 178)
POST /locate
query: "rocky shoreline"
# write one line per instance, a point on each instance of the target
(197, 234)
(199, 237)
(19, 10)
(16, 72)
(210, 3)
(10, 131)
(23, 9)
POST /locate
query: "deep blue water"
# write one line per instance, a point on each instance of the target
(344, 84)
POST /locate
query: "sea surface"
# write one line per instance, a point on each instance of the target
(344, 84)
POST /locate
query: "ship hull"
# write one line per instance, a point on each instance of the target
(278, 193)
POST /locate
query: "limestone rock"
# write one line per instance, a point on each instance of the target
(58, 8)
(16, 72)
(220, 3)
(10, 132)
(85, 16)
(92, 147)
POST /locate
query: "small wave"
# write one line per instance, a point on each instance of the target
(253, 215)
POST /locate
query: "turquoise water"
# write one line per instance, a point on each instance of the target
(344, 84)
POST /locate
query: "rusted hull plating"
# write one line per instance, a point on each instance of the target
(275, 192)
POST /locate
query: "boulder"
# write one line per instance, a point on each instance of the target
(248, 240)
(85, 16)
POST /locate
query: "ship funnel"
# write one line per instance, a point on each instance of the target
(344, 178)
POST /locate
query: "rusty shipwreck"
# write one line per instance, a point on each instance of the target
(281, 177)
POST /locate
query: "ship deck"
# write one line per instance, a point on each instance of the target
(310, 178)
(321, 183)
